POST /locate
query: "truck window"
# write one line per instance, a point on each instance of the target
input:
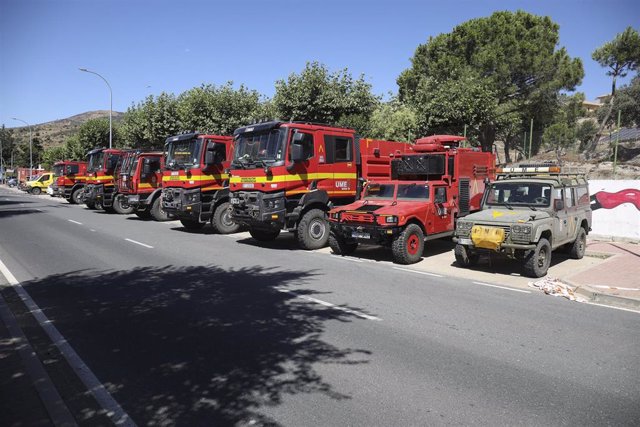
(307, 146)
(339, 149)
(583, 195)
(381, 191)
(571, 200)
(441, 195)
(413, 191)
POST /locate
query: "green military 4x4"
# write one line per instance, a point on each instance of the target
(527, 213)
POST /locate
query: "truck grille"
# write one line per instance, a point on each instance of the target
(366, 218)
(506, 228)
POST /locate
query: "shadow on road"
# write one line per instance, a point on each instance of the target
(195, 345)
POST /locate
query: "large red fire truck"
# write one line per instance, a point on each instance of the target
(195, 181)
(70, 180)
(430, 188)
(101, 189)
(287, 175)
(140, 183)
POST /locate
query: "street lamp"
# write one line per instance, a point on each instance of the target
(30, 145)
(110, 100)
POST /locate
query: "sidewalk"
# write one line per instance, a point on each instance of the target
(615, 281)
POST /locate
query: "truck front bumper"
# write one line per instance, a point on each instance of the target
(259, 210)
(182, 203)
(366, 234)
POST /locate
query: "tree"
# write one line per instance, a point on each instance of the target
(620, 55)
(627, 101)
(150, 122)
(394, 121)
(509, 64)
(219, 110)
(9, 145)
(317, 95)
(52, 155)
(585, 132)
(563, 132)
(95, 133)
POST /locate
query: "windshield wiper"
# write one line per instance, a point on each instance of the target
(532, 208)
(508, 206)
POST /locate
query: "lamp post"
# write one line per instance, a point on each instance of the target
(30, 146)
(110, 101)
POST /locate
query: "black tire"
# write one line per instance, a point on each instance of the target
(36, 191)
(74, 199)
(145, 214)
(121, 206)
(262, 235)
(90, 205)
(408, 246)
(157, 213)
(340, 246)
(538, 260)
(191, 224)
(464, 257)
(313, 230)
(221, 219)
(579, 246)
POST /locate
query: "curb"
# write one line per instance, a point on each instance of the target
(596, 297)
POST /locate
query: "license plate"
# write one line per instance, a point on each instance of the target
(360, 235)
(464, 241)
(234, 201)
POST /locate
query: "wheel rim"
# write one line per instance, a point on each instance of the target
(413, 243)
(317, 230)
(582, 244)
(542, 257)
(226, 218)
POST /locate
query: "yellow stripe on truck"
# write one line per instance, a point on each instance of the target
(195, 177)
(291, 178)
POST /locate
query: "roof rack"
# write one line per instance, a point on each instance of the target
(539, 169)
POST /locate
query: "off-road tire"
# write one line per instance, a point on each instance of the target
(538, 260)
(221, 220)
(262, 235)
(191, 224)
(313, 230)
(407, 247)
(90, 205)
(145, 214)
(36, 191)
(121, 207)
(464, 258)
(340, 246)
(157, 213)
(579, 246)
(74, 199)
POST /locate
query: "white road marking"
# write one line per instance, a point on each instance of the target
(614, 307)
(615, 288)
(418, 272)
(90, 381)
(75, 222)
(346, 258)
(139, 243)
(328, 304)
(502, 287)
(39, 210)
(92, 230)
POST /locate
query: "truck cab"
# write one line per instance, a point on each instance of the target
(527, 213)
(287, 175)
(432, 186)
(140, 183)
(101, 189)
(70, 180)
(195, 181)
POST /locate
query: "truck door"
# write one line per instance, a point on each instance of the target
(336, 160)
(561, 224)
(442, 216)
(304, 172)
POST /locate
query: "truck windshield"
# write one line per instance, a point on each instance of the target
(413, 191)
(127, 165)
(95, 162)
(519, 194)
(58, 170)
(184, 153)
(260, 147)
(379, 191)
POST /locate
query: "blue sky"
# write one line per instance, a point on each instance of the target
(145, 47)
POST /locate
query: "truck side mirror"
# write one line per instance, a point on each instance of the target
(112, 163)
(213, 155)
(298, 137)
(146, 167)
(297, 152)
(558, 205)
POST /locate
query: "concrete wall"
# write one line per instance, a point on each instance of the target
(616, 209)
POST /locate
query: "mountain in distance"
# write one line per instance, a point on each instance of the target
(55, 133)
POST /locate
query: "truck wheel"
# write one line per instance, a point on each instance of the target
(221, 219)
(75, 196)
(36, 191)
(313, 230)
(157, 213)
(191, 224)
(90, 205)
(145, 214)
(537, 261)
(264, 235)
(408, 246)
(340, 246)
(464, 257)
(579, 246)
(121, 206)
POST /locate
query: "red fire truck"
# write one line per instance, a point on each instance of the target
(430, 188)
(101, 189)
(287, 175)
(70, 179)
(140, 183)
(195, 182)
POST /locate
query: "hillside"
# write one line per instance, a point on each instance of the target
(55, 133)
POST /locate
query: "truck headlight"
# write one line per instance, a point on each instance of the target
(464, 225)
(334, 215)
(391, 219)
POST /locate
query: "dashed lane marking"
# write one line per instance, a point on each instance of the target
(418, 272)
(139, 243)
(75, 222)
(502, 287)
(328, 304)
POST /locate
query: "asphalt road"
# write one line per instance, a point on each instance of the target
(199, 329)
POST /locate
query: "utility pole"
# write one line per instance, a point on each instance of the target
(531, 139)
(615, 149)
